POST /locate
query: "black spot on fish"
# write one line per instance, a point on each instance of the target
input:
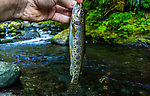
(78, 50)
(78, 57)
(76, 75)
(75, 38)
(77, 63)
(77, 69)
(78, 42)
(75, 78)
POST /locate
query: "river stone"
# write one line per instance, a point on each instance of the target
(9, 73)
(61, 38)
(28, 35)
(35, 24)
(26, 24)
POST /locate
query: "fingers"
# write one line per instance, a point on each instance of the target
(63, 10)
(79, 1)
(67, 3)
(61, 18)
(62, 14)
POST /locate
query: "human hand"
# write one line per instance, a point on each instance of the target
(39, 10)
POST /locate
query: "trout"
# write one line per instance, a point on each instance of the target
(76, 41)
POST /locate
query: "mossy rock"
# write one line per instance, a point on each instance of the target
(9, 73)
(61, 38)
(140, 41)
(5, 40)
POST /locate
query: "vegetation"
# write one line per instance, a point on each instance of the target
(116, 21)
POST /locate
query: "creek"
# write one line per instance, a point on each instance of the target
(107, 70)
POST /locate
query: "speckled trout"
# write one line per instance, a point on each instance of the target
(76, 42)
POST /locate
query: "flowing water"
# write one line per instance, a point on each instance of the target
(107, 70)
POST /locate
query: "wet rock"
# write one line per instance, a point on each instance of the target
(26, 24)
(5, 40)
(53, 26)
(35, 25)
(7, 94)
(61, 38)
(45, 29)
(9, 73)
(138, 42)
(28, 35)
(43, 25)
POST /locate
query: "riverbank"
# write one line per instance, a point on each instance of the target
(11, 31)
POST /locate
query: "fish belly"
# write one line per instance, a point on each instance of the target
(76, 51)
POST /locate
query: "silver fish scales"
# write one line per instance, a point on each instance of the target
(76, 42)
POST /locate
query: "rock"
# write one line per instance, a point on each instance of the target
(28, 35)
(61, 38)
(138, 42)
(7, 94)
(35, 25)
(26, 24)
(43, 25)
(45, 29)
(9, 73)
(5, 40)
(53, 26)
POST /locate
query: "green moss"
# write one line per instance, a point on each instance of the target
(13, 34)
(61, 38)
(62, 35)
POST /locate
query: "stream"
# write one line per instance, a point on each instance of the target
(107, 70)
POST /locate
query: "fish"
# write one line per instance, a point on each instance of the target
(76, 41)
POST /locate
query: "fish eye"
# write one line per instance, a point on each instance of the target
(77, 22)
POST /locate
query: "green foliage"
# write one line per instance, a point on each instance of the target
(120, 27)
(117, 27)
(138, 4)
(145, 3)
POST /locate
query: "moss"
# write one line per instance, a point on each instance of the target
(62, 34)
(13, 34)
(61, 38)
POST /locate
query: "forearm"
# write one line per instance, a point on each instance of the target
(10, 9)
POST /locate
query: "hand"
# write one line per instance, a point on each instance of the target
(39, 10)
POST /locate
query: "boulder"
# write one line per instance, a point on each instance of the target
(61, 38)
(35, 25)
(9, 73)
(28, 35)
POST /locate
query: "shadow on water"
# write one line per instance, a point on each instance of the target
(107, 70)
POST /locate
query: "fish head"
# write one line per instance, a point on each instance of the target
(78, 14)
